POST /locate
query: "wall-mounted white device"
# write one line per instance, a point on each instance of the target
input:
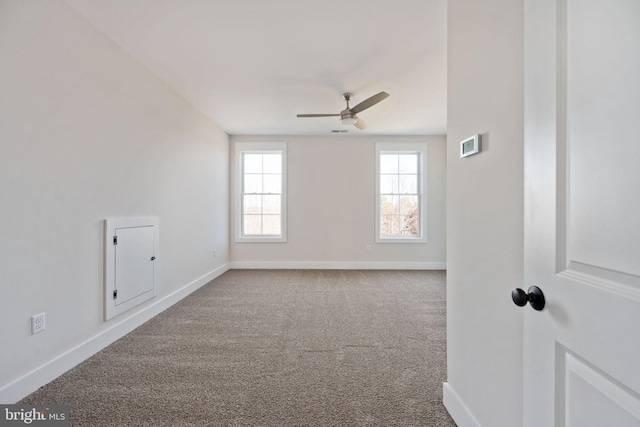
(470, 146)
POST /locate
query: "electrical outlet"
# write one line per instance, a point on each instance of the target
(37, 323)
(215, 253)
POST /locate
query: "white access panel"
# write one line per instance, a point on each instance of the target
(131, 252)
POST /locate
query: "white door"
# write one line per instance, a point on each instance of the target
(582, 212)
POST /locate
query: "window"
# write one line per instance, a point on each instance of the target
(400, 184)
(261, 183)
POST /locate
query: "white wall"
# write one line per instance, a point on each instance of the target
(485, 212)
(87, 133)
(331, 210)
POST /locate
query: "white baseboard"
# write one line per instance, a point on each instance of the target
(339, 265)
(458, 410)
(49, 371)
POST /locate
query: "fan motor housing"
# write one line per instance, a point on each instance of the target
(346, 114)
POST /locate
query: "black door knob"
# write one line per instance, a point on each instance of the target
(534, 296)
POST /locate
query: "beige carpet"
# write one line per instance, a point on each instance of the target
(275, 348)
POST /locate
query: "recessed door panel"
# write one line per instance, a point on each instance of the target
(593, 399)
(603, 100)
(134, 262)
(131, 263)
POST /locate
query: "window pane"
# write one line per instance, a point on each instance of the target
(271, 204)
(252, 183)
(408, 204)
(395, 225)
(272, 163)
(389, 205)
(252, 224)
(271, 224)
(252, 204)
(409, 225)
(388, 163)
(272, 184)
(408, 163)
(386, 222)
(252, 163)
(399, 216)
(408, 184)
(388, 184)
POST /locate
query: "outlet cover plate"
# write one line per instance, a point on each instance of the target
(37, 323)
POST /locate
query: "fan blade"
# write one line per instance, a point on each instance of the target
(369, 102)
(360, 124)
(318, 115)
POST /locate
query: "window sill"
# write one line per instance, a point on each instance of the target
(261, 240)
(401, 240)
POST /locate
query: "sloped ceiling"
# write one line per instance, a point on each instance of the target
(252, 65)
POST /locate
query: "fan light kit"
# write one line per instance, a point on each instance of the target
(348, 115)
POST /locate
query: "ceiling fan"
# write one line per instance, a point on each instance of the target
(348, 115)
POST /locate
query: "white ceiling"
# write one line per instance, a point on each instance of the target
(252, 65)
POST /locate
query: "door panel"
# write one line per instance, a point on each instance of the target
(582, 210)
(603, 99)
(131, 268)
(592, 398)
(134, 263)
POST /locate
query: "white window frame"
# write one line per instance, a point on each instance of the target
(242, 148)
(419, 148)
